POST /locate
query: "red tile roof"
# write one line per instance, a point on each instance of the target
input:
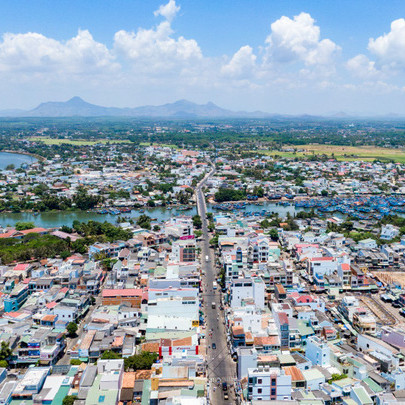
(34, 230)
(126, 292)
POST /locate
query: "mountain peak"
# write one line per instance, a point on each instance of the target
(77, 107)
(76, 100)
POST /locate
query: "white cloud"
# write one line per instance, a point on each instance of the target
(298, 40)
(389, 49)
(362, 67)
(152, 50)
(241, 64)
(168, 10)
(33, 52)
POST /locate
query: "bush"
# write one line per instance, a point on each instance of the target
(75, 362)
(110, 355)
(69, 400)
(143, 361)
(22, 226)
(229, 194)
(71, 329)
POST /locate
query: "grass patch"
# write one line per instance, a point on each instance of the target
(163, 145)
(77, 142)
(343, 153)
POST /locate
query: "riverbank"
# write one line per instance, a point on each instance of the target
(53, 219)
(34, 155)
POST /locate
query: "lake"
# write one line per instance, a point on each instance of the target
(15, 158)
(59, 218)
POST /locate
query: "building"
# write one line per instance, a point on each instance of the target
(17, 297)
(268, 384)
(389, 232)
(132, 296)
(317, 351)
(364, 322)
(244, 289)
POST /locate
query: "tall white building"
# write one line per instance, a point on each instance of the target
(317, 351)
(247, 288)
(268, 384)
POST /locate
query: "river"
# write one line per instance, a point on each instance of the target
(16, 159)
(59, 218)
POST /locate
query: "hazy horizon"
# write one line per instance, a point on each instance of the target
(276, 57)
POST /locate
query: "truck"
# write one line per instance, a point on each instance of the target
(207, 259)
(214, 285)
(213, 305)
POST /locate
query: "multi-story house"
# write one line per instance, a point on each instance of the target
(268, 384)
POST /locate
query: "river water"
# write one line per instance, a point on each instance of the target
(59, 218)
(15, 158)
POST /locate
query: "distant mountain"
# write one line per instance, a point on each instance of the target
(77, 107)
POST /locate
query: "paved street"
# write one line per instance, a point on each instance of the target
(220, 365)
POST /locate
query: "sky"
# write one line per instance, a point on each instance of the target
(277, 56)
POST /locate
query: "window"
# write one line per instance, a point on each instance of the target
(259, 390)
(273, 382)
(259, 381)
(273, 391)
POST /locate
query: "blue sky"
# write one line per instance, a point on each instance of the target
(281, 56)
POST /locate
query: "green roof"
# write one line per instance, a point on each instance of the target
(95, 396)
(362, 395)
(62, 392)
(304, 328)
(286, 359)
(373, 385)
(73, 370)
(311, 401)
(146, 392)
(342, 383)
(349, 401)
(312, 374)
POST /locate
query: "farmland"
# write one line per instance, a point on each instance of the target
(76, 142)
(344, 153)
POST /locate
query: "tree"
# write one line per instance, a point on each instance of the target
(214, 241)
(110, 355)
(22, 226)
(5, 351)
(85, 201)
(66, 229)
(72, 329)
(197, 222)
(273, 234)
(144, 221)
(69, 400)
(10, 167)
(265, 223)
(65, 254)
(229, 194)
(142, 361)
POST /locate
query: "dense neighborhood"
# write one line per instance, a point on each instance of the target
(287, 273)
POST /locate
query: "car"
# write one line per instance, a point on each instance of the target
(226, 396)
(214, 346)
(224, 386)
(396, 304)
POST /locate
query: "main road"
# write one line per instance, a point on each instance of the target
(220, 366)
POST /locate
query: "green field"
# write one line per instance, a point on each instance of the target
(167, 145)
(343, 153)
(77, 142)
